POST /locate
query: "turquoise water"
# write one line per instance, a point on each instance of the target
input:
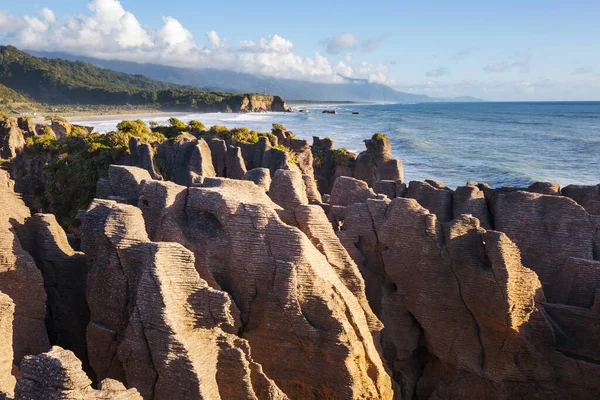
(498, 143)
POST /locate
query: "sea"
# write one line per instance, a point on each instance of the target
(502, 144)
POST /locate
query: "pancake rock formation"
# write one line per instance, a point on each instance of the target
(261, 271)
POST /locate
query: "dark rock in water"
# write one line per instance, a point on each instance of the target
(355, 113)
(329, 112)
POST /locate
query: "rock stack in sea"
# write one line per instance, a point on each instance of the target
(245, 271)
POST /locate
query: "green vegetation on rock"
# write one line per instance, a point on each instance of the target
(341, 156)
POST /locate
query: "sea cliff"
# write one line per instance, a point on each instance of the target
(215, 263)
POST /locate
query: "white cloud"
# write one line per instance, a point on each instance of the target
(341, 43)
(349, 42)
(47, 14)
(111, 32)
(214, 39)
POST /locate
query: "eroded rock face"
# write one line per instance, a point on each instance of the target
(236, 168)
(57, 374)
(186, 159)
(141, 156)
(167, 332)
(7, 381)
(260, 176)
(547, 229)
(463, 317)
(64, 272)
(348, 191)
(61, 128)
(21, 280)
(587, 196)
(292, 300)
(11, 139)
(123, 183)
(434, 196)
(287, 189)
(377, 163)
(300, 147)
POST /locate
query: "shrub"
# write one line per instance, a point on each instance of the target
(380, 136)
(138, 129)
(177, 124)
(292, 156)
(341, 156)
(278, 127)
(196, 126)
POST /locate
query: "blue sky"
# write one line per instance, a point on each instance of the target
(510, 50)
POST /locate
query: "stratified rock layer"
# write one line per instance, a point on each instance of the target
(305, 327)
(463, 317)
(155, 324)
(57, 374)
(20, 279)
(7, 381)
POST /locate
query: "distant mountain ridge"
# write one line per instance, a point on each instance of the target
(54, 81)
(239, 82)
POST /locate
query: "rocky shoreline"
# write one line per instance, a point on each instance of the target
(239, 265)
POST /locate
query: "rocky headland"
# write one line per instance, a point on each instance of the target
(193, 263)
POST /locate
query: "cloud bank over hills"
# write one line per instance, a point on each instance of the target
(109, 31)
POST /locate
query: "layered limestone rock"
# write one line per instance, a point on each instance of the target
(260, 176)
(20, 279)
(7, 381)
(300, 147)
(377, 163)
(348, 191)
(61, 128)
(434, 196)
(141, 155)
(547, 229)
(57, 374)
(155, 324)
(287, 189)
(123, 184)
(218, 150)
(463, 317)
(292, 300)
(64, 272)
(186, 159)
(11, 138)
(587, 196)
(236, 167)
